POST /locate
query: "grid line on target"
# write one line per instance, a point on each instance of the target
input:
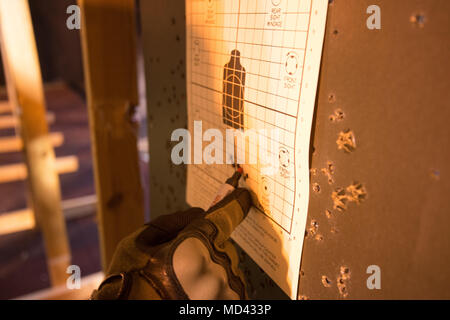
(247, 63)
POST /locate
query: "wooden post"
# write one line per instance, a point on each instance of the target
(26, 95)
(108, 33)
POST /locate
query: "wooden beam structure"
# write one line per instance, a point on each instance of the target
(21, 220)
(108, 33)
(15, 144)
(5, 107)
(26, 95)
(18, 171)
(11, 121)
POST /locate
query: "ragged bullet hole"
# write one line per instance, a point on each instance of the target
(435, 174)
(313, 228)
(326, 282)
(346, 141)
(353, 193)
(335, 32)
(313, 171)
(339, 199)
(329, 171)
(331, 98)
(356, 192)
(318, 237)
(302, 273)
(328, 214)
(342, 281)
(339, 114)
(344, 270)
(333, 230)
(418, 19)
(343, 291)
(330, 166)
(316, 187)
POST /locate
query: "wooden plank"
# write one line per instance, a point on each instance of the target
(11, 121)
(16, 221)
(21, 220)
(5, 107)
(18, 171)
(15, 144)
(26, 95)
(109, 50)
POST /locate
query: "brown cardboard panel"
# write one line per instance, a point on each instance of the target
(391, 86)
(164, 45)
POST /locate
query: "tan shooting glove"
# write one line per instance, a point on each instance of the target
(185, 255)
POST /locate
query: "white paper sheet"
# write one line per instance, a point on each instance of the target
(273, 86)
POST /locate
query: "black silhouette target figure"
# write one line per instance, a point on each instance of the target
(233, 91)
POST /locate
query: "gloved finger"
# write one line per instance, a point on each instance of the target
(229, 213)
(166, 227)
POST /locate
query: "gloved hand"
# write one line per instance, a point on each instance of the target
(185, 255)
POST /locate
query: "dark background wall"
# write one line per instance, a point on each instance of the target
(58, 47)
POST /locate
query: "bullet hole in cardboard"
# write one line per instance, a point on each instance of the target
(313, 171)
(318, 237)
(339, 199)
(345, 272)
(316, 187)
(302, 273)
(346, 141)
(338, 115)
(335, 32)
(331, 98)
(435, 174)
(328, 171)
(314, 226)
(328, 214)
(326, 282)
(353, 193)
(356, 192)
(418, 19)
(342, 281)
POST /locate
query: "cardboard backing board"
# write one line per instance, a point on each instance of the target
(163, 40)
(390, 88)
(386, 91)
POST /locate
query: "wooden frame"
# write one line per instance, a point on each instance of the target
(108, 32)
